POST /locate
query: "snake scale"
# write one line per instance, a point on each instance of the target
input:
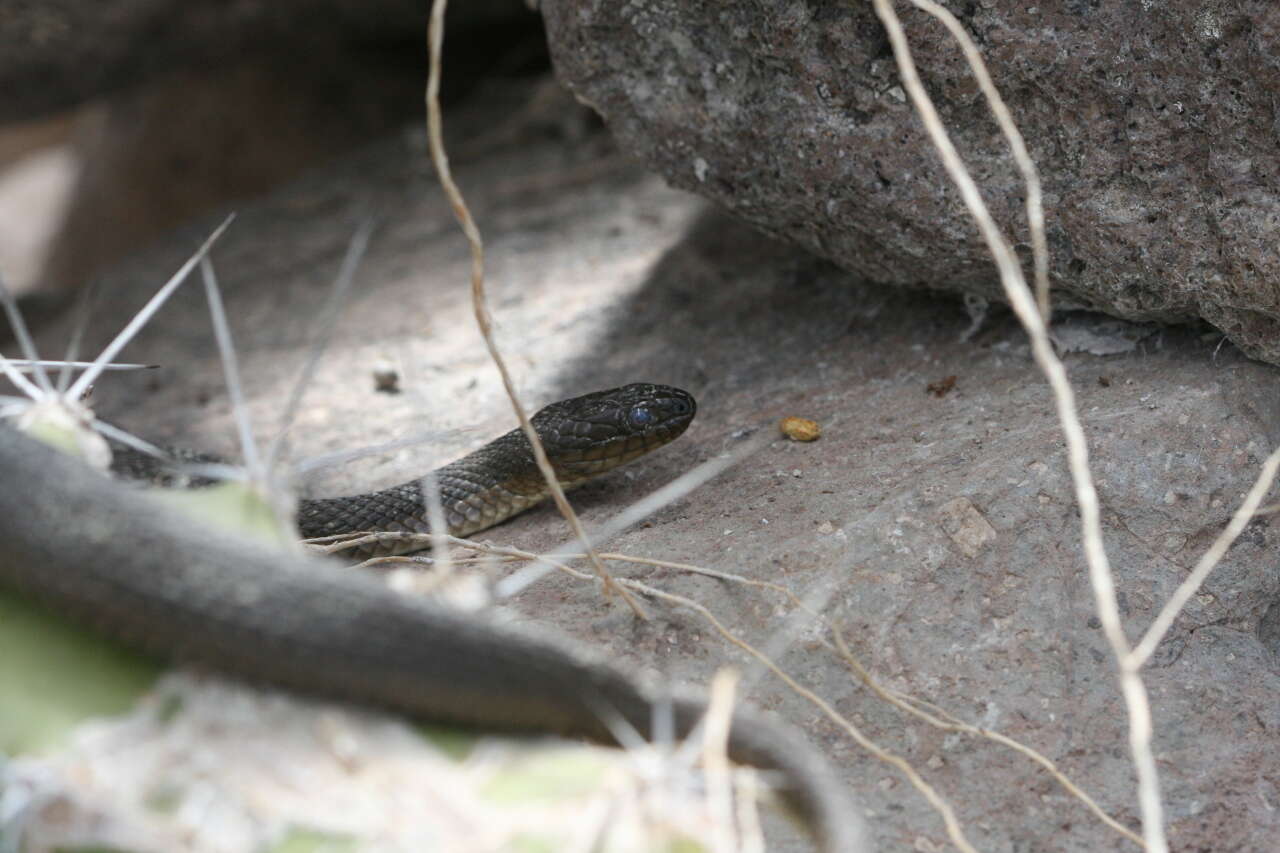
(128, 566)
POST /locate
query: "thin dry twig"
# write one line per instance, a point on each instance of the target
(1017, 146)
(430, 488)
(715, 757)
(673, 491)
(948, 722)
(1160, 625)
(1020, 299)
(1269, 509)
(711, 573)
(750, 832)
(1130, 660)
(901, 700)
(954, 831)
(343, 542)
(948, 815)
(942, 719)
(435, 136)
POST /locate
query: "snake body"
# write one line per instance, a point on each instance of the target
(136, 570)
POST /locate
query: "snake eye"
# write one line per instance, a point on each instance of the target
(640, 417)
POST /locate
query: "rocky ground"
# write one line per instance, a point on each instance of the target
(936, 508)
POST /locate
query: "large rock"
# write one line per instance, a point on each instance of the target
(1154, 125)
(945, 525)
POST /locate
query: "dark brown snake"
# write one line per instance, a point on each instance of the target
(134, 569)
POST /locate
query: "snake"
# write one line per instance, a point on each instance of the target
(143, 574)
(584, 437)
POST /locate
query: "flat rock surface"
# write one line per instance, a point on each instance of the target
(1153, 126)
(939, 524)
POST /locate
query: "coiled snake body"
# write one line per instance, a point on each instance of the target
(132, 568)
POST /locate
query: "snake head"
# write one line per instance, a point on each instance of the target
(590, 434)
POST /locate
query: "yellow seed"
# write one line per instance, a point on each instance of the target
(800, 429)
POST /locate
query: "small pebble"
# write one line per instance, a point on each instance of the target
(386, 378)
(942, 387)
(800, 429)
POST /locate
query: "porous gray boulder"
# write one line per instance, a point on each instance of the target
(1154, 126)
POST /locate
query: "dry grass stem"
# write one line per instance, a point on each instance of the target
(479, 303)
(651, 503)
(942, 719)
(947, 722)
(750, 833)
(1160, 625)
(1017, 146)
(954, 831)
(1023, 304)
(711, 573)
(715, 757)
(440, 551)
(1269, 509)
